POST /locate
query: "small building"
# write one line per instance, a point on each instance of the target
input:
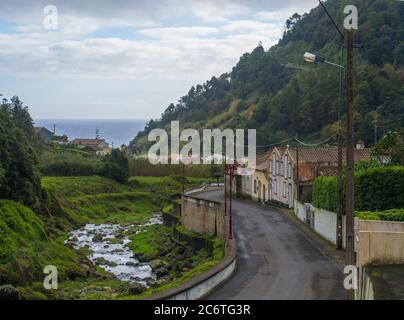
(259, 179)
(98, 147)
(43, 134)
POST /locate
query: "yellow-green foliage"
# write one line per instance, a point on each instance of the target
(19, 226)
(223, 117)
(388, 215)
(25, 249)
(78, 186)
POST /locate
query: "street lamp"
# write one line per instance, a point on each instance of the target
(314, 58)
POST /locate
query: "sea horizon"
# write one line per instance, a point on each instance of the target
(115, 131)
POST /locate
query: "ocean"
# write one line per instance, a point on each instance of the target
(115, 132)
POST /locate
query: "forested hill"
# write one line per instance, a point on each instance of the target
(280, 95)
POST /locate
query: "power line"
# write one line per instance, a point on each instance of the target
(332, 20)
(316, 144)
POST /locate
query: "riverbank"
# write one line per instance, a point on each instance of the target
(74, 203)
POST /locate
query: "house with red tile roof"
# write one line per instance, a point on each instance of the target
(284, 174)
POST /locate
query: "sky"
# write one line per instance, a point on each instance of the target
(126, 59)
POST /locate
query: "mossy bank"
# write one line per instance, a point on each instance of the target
(32, 240)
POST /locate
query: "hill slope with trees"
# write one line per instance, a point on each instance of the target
(277, 93)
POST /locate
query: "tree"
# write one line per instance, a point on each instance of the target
(19, 176)
(392, 145)
(116, 166)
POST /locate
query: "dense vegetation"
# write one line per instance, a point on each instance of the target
(276, 93)
(376, 189)
(19, 176)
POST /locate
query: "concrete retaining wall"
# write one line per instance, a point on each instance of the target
(205, 217)
(202, 216)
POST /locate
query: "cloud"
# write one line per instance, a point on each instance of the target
(169, 39)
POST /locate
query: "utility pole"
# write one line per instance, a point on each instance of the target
(340, 195)
(230, 203)
(350, 196)
(297, 173)
(183, 177)
(225, 190)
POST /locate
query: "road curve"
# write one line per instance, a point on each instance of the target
(276, 260)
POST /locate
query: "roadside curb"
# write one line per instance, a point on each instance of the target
(205, 283)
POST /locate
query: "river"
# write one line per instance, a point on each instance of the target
(108, 244)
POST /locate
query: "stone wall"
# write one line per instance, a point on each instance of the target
(202, 216)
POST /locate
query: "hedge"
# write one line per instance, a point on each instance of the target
(379, 189)
(325, 193)
(388, 215)
(376, 189)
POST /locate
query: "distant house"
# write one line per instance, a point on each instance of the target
(98, 147)
(62, 140)
(43, 134)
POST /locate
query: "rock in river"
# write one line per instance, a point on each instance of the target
(136, 288)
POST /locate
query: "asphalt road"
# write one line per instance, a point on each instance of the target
(276, 259)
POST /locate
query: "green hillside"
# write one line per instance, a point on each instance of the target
(277, 93)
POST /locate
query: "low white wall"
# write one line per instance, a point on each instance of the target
(300, 211)
(325, 222)
(203, 288)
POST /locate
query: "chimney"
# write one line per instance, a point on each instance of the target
(360, 145)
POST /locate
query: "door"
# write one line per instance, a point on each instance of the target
(263, 193)
(259, 191)
(290, 198)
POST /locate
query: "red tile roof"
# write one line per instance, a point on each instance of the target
(327, 154)
(88, 142)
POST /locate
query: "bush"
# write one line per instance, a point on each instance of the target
(325, 193)
(388, 215)
(9, 292)
(116, 166)
(69, 169)
(376, 189)
(379, 189)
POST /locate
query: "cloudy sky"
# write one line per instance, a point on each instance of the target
(126, 59)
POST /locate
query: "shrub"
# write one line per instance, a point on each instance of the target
(325, 193)
(388, 215)
(379, 189)
(69, 169)
(376, 189)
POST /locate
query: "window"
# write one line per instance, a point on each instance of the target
(285, 166)
(281, 168)
(270, 166)
(284, 189)
(290, 170)
(275, 186)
